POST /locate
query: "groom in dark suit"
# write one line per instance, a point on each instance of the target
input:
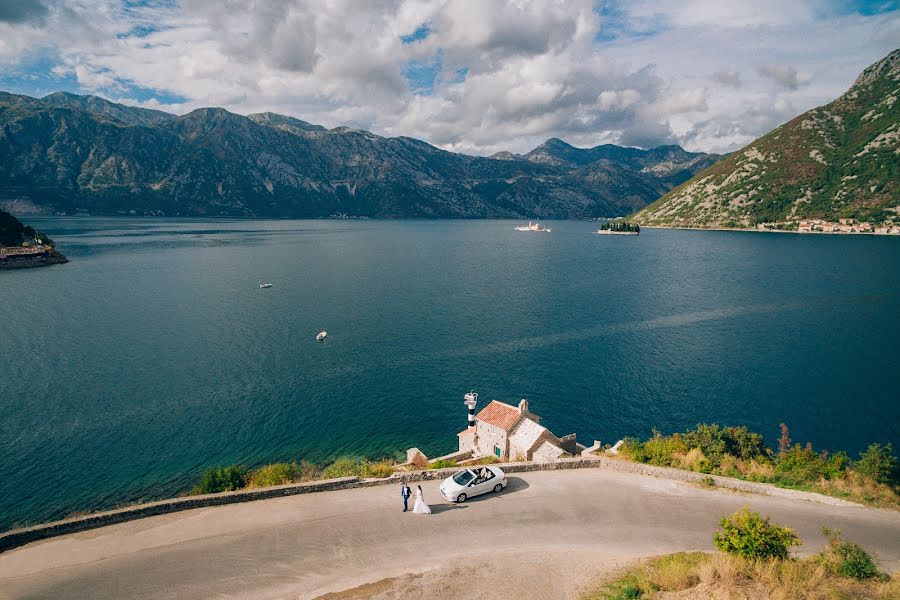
(405, 492)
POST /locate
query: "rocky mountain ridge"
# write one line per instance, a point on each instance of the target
(83, 154)
(838, 161)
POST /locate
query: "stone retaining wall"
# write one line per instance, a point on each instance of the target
(731, 483)
(20, 537)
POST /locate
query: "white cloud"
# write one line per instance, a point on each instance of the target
(727, 77)
(784, 75)
(532, 70)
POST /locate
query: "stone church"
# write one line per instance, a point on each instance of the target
(512, 433)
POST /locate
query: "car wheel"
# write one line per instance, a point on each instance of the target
(497, 488)
(461, 498)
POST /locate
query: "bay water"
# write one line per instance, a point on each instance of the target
(154, 353)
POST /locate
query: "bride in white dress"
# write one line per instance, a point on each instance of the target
(421, 507)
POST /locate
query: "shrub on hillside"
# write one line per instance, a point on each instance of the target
(221, 479)
(442, 464)
(847, 559)
(879, 463)
(343, 467)
(716, 442)
(704, 448)
(799, 465)
(750, 535)
(659, 450)
(282, 473)
(358, 467)
(380, 469)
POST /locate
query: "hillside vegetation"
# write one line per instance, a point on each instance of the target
(841, 160)
(873, 478)
(755, 564)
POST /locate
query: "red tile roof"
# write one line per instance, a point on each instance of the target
(467, 431)
(499, 415)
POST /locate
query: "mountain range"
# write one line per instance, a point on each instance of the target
(841, 160)
(66, 153)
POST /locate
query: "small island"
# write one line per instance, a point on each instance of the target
(619, 227)
(21, 246)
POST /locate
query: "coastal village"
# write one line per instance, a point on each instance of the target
(847, 226)
(841, 226)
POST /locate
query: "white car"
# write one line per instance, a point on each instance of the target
(472, 481)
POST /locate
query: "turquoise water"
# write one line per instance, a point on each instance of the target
(154, 353)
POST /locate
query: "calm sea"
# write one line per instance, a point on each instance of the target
(154, 353)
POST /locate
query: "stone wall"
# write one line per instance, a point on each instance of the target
(458, 456)
(489, 437)
(731, 483)
(20, 537)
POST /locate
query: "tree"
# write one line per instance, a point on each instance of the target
(784, 442)
(879, 463)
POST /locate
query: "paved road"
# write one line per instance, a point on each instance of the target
(547, 535)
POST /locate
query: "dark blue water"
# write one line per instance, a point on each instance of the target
(154, 353)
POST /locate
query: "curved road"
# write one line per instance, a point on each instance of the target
(548, 535)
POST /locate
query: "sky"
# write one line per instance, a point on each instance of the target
(473, 76)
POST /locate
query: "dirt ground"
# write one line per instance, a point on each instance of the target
(525, 576)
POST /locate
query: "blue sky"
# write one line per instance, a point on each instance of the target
(473, 76)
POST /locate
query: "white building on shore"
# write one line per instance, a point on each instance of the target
(513, 433)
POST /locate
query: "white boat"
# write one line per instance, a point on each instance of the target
(532, 227)
(321, 336)
(263, 286)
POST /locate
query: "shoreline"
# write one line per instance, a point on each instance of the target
(457, 219)
(845, 233)
(31, 260)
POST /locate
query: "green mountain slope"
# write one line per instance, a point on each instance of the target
(68, 153)
(839, 160)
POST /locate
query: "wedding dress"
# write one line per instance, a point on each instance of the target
(421, 507)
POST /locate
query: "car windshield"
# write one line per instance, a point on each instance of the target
(463, 477)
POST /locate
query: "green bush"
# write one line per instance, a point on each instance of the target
(750, 535)
(274, 474)
(358, 467)
(282, 473)
(879, 463)
(739, 452)
(442, 464)
(380, 469)
(221, 479)
(801, 465)
(848, 559)
(715, 442)
(344, 467)
(658, 450)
